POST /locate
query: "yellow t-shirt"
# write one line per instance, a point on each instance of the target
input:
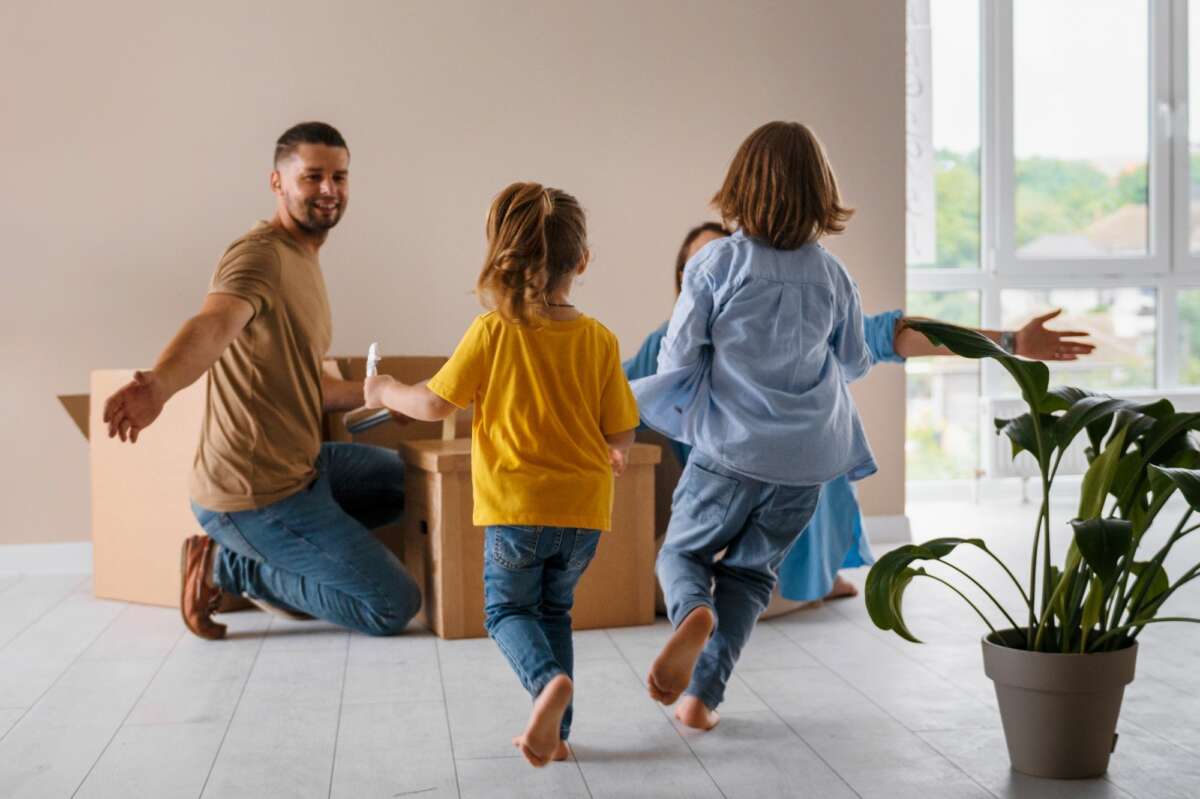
(544, 399)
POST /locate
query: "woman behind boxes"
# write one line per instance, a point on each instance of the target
(554, 418)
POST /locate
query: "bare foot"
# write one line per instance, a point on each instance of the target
(563, 751)
(842, 589)
(672, 669)
(540, 742)
(695, 714)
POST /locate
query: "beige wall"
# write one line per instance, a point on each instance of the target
(137, 135)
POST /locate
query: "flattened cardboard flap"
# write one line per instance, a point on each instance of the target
(78, 407)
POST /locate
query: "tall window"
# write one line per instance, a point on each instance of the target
(944, 203)
(1051, 165)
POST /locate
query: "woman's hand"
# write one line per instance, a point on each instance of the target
(374, 389)
(1034, 340)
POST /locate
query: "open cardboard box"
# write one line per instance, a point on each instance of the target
(140, 509)
(444, 550)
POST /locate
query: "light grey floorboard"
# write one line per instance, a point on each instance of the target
(752, 755)
(276, 750)
(166, 761)
(53, 747)
(506, 778)
(31, 599)
(389, 749)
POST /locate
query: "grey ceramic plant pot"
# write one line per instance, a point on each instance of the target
(1059, 711)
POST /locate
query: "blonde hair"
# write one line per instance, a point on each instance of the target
(536, 237)
(781, 189)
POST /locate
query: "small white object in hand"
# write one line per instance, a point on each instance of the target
(373, 359)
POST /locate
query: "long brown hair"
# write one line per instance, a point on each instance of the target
(681, 258)
(780, 188)
(537, 236)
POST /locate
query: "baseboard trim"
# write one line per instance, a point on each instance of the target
(69, 558)
(888, 529)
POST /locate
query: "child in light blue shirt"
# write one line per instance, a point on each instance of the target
(773, 395)
(752, 374)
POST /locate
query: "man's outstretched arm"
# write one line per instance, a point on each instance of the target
(195, 348)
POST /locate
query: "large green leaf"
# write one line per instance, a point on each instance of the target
(891, 574)
(1099, 477)
(1087, 411)
(1093, 609)
(1102, 543)
(1160, 487)
(1149, 591)
(1186, 480)
(1164, 442)
(896, 599)
(885, 588)
(1130, 471)
(1024, 436)
(1179, 446)
(1141, 418)
(1059, 398)
(1033, 377)
(1058, 596)
(1167, 430)
(941, 547)
(1063, 581)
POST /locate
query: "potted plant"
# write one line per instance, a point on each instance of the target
(1061, 661)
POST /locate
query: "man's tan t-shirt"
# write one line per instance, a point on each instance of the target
(262, 421)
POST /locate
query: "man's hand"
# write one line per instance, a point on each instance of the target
(135, 406)
(1035, 341)
(197, 345)
(616, 457)
(374, 388)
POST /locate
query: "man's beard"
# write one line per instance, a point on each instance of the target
(311, 220)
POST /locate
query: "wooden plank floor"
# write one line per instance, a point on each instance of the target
(104, 699)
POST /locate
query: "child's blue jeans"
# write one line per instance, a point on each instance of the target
(529, 578)
(756, 523)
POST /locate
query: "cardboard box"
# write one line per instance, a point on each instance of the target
(443, 550)
(140, 509)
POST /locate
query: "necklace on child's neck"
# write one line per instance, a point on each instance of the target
(559, 304)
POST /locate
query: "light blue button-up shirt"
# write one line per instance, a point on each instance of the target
(754, 366)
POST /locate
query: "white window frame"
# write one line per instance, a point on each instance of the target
(1169, 267)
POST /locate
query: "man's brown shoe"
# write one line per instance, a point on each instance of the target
(200, 598)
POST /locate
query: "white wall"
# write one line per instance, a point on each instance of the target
(137, 137)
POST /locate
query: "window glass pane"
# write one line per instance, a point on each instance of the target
(1121, 322)
(1081, 127)
(1189, 337)
(942, 438)
(942, 133)
(1194, 126)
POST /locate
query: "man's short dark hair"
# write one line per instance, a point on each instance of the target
(307, 133)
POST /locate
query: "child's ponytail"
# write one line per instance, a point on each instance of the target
(537, 236)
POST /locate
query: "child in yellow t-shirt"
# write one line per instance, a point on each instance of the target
(554, 419)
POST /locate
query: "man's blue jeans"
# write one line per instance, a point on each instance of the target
(529, 578)
(755, 523)
(314, 551)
